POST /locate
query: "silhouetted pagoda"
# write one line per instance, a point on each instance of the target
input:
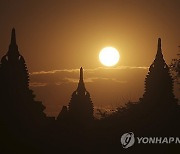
(158, 82)
(80, 106)
(17, 100)
(63, 115)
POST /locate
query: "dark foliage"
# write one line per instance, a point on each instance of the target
(175, 68)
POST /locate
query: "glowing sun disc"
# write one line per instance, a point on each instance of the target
(109, 56)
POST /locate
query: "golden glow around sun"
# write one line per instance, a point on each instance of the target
(109, 56)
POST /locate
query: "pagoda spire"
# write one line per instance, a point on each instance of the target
(159, 50)
(13, 37)
(159, 61)
(81, 74)
(159, 55)
(81, 87)
(13, 48)
(159, 44)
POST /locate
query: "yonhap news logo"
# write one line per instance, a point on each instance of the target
(128, 140)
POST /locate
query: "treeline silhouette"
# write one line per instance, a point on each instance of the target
(25, 128)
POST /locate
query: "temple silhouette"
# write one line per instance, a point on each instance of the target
(159, 82)
(25, 128)
(17, 100)
(80, 107)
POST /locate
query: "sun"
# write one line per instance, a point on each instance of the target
(109, 56)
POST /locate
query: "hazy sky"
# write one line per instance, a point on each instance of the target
(58, 37)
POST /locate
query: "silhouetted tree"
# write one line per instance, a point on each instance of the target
(175, 68)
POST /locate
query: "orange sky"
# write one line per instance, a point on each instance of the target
(64, 35)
